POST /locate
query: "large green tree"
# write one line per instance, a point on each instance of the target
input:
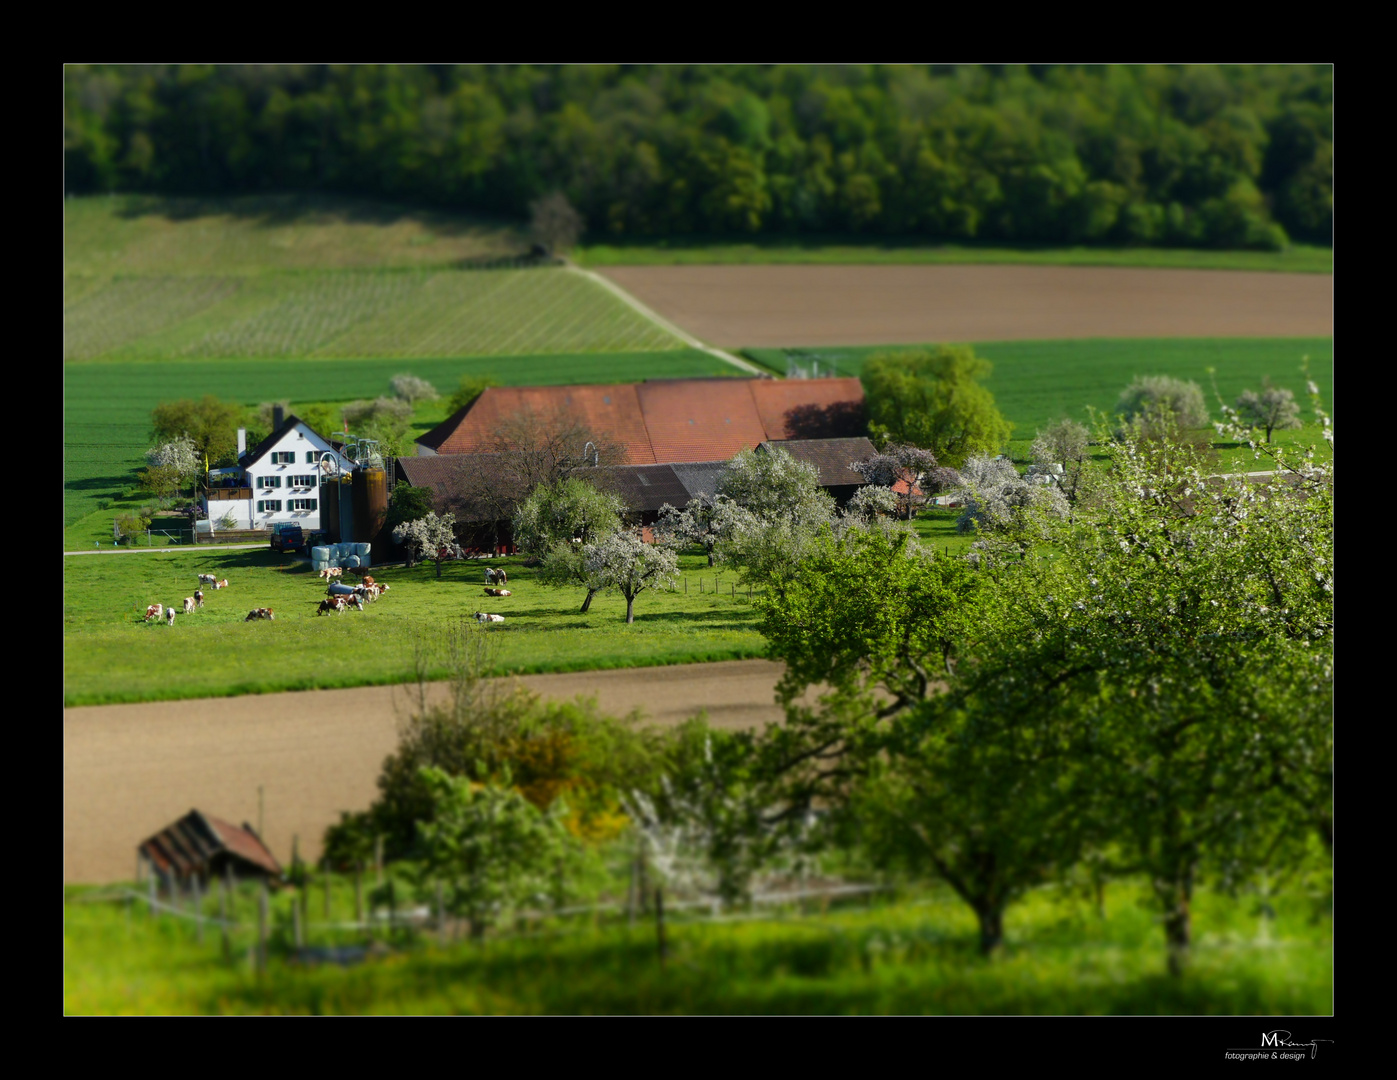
(932, 398)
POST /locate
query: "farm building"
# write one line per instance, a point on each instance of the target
(278, 480)
(672, 437)
(203, 846)
(663, 421)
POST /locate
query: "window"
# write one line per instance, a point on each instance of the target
(310, 457)
(268, 506)
(269, 481)
(304, 504)
(300, 481)
(283, 457)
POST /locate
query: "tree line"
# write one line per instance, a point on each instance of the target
(1204, 155)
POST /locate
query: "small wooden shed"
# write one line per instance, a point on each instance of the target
(203, 846)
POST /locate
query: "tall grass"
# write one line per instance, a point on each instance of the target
(915, 954)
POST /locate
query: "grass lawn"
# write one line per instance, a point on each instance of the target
(107, 406)
(1298, 258)
(112, 655)
(915, 953)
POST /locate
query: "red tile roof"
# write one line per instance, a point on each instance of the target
(663, 420)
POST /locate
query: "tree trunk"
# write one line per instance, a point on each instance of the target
(630, 608)
(1176, 896)
(991, 927)
(438, 569)
(588, 602)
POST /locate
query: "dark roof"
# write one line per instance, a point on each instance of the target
(433, 471)
(699, 477)
(195, 840)
(831, 456)
(645, 488)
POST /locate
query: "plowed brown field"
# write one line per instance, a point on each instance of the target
(736, 306)
(130, 770)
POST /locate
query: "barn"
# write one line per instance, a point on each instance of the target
(202, 846)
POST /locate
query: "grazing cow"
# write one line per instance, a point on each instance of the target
(189, 605)
(154, 611)
(368, 579)
(334, 603)
(259, 613)
(169, 616)
(198, 597)
(207, 579)
(490, 574)
(357, 602)
(481, 617)
(500, 576)
(221, 584)
(498, 592)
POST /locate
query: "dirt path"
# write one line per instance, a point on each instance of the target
(129, 770)
(736, 306)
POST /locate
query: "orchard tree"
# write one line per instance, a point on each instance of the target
(998, 500)
(171, 464)
(774, 485)
(1273, 409)
(408, 504)
(910, 465)
(210, 423)
(627, 563)
(430, 537)
(411, 389)
(1064, 445)
(933, 399)
(1148, 396)
(553, 223)
(704, 522)
(556, 522)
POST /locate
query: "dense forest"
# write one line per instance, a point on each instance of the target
(1186, 156)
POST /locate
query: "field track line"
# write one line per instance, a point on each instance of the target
(665, 324)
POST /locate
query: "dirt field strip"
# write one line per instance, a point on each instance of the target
(129, 770)
(683, 335)
(775, 306)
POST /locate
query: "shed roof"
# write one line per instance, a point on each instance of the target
(831, 456)
(191, 844)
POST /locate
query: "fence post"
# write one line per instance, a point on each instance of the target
(378, 860)
(262, 928)
(198, 909)
(441, 914)
(660, 921)
(359, 891)
(296, 921)
(223, 915)
(150, 887)
(325, 862)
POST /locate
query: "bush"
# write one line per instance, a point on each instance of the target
(1162, 393)
(412, 389)
(131, 526)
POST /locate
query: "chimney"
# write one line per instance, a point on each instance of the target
(277, 417)
(242, 441)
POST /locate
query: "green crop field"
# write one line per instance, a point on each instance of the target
(107, 406)
(1037, 382)
(912, 954)
(856, 251)
(413, 314)
(111, 655)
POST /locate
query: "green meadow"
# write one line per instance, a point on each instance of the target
(112, 655)
(107, 406)
(910, 952)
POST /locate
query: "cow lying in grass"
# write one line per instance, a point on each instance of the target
(221, 584)
(155, 611)
(481, 617)
(332, 572)
(497, 592)
(259, 613)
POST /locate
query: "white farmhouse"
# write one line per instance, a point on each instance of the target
(277, 480)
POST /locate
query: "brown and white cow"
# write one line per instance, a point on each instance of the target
(169, 616)
(498, 592)
(198, 597)
(259, 613)
(207, 579)
(481, 617)
(189, 605)
(334, 603)
(221, 584)
(155, 611)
